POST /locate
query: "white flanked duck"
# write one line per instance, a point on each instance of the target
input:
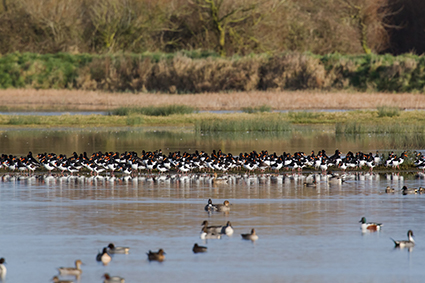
(227, 229)
(208, 235)
(76, 271)
(117, 250)
(211, 229)
(369, 226)
(405, 243)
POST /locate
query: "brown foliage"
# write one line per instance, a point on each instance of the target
(101, 26)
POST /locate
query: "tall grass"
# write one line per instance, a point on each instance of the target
(165, 110)
(388, 111)
(244, 125)
(258, 109)
(394, 128)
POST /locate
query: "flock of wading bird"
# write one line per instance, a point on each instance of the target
(131, 164)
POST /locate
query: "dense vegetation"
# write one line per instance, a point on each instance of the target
(194, 72)
(228, 27)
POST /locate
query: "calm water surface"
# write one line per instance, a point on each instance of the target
(305, 234)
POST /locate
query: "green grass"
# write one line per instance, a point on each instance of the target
(243, 125)
(388, 111)
(166, 110)
(393, 128)
(259, 109)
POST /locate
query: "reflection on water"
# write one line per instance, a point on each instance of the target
(306, 234)
(19, 142)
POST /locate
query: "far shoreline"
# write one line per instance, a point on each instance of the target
(81, 100)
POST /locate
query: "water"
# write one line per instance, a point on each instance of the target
(305, 234)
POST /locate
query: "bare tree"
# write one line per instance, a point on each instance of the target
(224, 22)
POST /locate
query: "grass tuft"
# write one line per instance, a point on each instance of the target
(388, 111)
(153, 110)
(261, 109)
(245, 125)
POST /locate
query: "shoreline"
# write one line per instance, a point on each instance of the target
(79, 100)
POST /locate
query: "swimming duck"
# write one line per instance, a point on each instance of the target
(118, 250)
(219, 181)
(211, 229)
(228, 229)
(104, 257)
(208, 235)
(76, 271)
(3, 269)
(210, 206)
(223, 207)
(158, 256)
(56, 279)
(199, 249)
(369, 226)
(253, 236)
(112, 279)
(408, 191)
(389, 190)
(405, 243)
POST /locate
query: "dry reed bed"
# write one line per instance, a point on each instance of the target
(50, 99)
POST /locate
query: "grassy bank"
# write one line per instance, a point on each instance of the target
(345, 122)
(190, 72)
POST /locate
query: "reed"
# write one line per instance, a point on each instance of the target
(165, 110)
(261, 108)
(388, 111)
(244, 125)
(394, 128)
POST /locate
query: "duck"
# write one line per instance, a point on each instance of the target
(199, 249)
(405, 243)
(369, 226)
(76, 271)
(252, 236)
(118, 250)
(310, 184)
(209, 206)
(408, 191)
(219, 181)
(228, 229)
(3, 269)
(112, 279)
(56, 279)
(156, 256)
(223, 207)
(104, 256)
(211, 229)
(389, 190)
(208, 235)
